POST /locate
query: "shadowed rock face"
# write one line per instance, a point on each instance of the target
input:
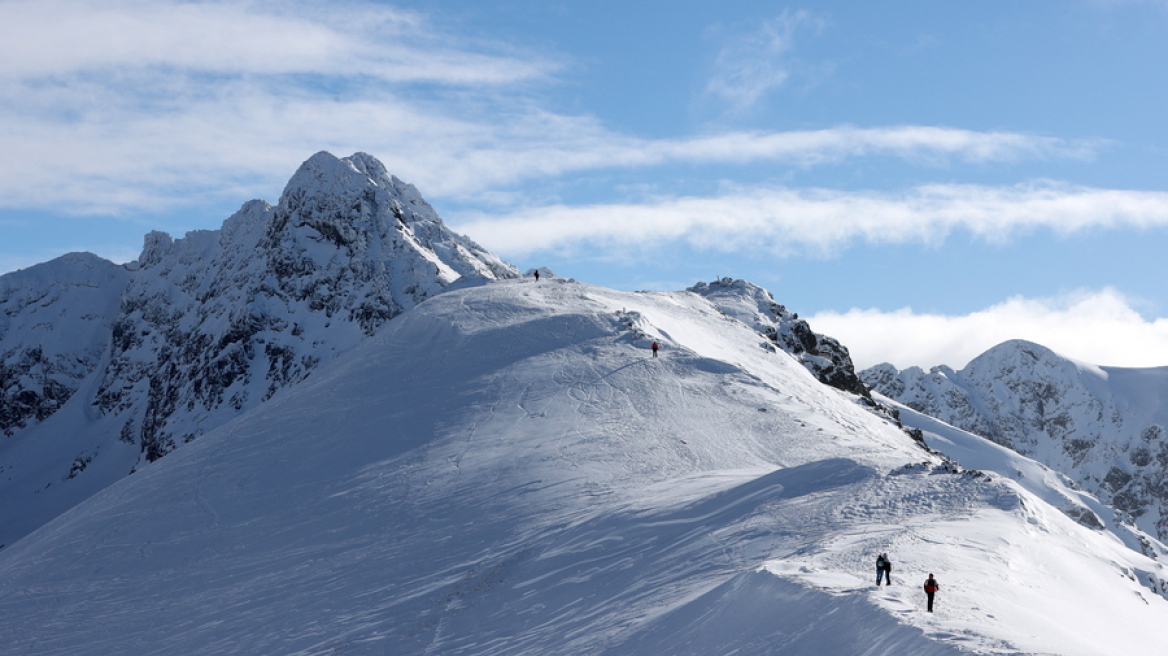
(1101, 426)
(55, 322)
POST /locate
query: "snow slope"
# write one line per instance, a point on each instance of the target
(504, 469)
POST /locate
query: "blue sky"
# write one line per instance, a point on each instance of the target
(921, 181)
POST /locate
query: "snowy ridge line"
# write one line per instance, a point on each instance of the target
(1051, 487)
(506, 470)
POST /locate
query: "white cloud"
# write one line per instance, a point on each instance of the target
(751, 65)
(475, 157)
(48, 38)
(141, 105)
(782, 220)
(132, 105)
(909, 142)
(1095, 326)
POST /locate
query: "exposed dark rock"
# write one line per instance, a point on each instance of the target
(201, 328)
(823, 356)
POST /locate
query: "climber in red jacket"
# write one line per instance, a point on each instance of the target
(931, 589)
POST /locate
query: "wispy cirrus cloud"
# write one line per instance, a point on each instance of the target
(785, 220)
(751, 64)
(479, 157)
(1072, 324)
(47, 38)
(236, 140)
(809, 147)
(131, 105)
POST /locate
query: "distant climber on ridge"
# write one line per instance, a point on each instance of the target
(654, 347)
(880, 560)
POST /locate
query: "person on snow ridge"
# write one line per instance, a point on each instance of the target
(887, 570)
(931, 587)
(654, 347)
(880, 560)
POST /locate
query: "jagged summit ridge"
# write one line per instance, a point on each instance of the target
(357, 205)
(201, 328)
(1102, 426)
(234, 315)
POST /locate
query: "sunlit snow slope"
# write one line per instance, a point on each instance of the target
(505, 469)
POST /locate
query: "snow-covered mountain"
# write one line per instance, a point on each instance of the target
(506, 469)
(55, 323)
(1102, 426)
(406, 448)
(235, 315)
(201, 329)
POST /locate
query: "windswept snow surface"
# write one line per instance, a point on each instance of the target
(505, 469)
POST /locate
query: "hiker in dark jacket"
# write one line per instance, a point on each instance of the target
(931, 587)
(880, 560)
(887, 571)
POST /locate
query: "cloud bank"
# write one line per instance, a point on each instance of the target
(1094, 326)
(784, 220)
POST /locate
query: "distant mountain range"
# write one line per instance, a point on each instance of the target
(1104, 427)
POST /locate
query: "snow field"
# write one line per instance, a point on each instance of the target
(506, 470)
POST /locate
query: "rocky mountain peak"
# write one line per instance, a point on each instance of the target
(203, 327)
(326, 176)
(332, 191)
(55, 320)
(1102, 426)
(824, 356)
(105, 367)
